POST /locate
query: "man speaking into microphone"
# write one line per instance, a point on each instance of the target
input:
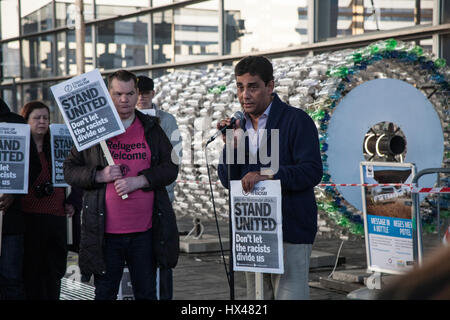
(274, 132)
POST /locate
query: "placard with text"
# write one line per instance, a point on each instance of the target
(60, 142)
(257, 227)
(87, 109)
(387, 209)
(14, 157)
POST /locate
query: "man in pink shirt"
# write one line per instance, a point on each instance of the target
(115, 231)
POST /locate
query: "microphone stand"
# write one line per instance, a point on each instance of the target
(230, 226)
(230, 273)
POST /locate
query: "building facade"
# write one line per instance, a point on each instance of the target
(154, 37)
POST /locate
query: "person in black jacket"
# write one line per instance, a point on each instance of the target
(114, 230)
(292, 146)
(13, 228)
(45, 209)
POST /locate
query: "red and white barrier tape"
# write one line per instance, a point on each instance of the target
(431, 190)
(362, 184)
(413, 189)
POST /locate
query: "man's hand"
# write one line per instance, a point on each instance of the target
(6, 201)
(130, 184)
(108, 174)
(250, 179)
(236, 133)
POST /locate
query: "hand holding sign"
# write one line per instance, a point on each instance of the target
(113, 171)
(109, 174)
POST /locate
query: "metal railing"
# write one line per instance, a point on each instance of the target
(417, 219)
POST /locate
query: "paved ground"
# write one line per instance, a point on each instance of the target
(201, 276)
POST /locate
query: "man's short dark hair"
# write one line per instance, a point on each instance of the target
(122, 75)
(145, 84)
(255, 65)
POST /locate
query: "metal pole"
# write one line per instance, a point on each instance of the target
(438, 208)
(231, 240)
(80, 36)
(417, 228)
(417, 221)
(221, 31)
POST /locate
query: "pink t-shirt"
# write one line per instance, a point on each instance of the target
(132, 152)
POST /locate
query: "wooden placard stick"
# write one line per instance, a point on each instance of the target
(109, 159)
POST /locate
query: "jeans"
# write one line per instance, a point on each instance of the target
(293, 283)
(136, 250)
(165, 284)
(11, 263)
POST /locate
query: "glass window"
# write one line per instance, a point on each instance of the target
(38, 57)
(9, 95)
(156, 3)
(163, 47)
(350, 17)
(264, 25)
(445, 12)
(36, 15)
(196, 31)
(110, 8)
(427, 44)
(41, 91)
(66, 11)
(10, 59)
(387, 15)
(9, 19)
(123, 43)
(66, 52)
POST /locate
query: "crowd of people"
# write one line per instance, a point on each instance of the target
(33, 259)
(34, 248)
(116, 233)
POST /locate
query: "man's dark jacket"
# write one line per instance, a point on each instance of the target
(80, 169)
(300, 169)
(13, 221)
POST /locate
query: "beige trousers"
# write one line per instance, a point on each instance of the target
(293, 284)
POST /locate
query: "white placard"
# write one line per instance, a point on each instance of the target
(60, 142)
(257, 227)
(14, 157)
(387, 209)
(88, 109)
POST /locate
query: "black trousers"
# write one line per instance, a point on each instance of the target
(45, 255)
(165, 284)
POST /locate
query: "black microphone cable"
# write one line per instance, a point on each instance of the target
(215, 216)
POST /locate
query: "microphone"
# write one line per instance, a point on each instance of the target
(238, 115)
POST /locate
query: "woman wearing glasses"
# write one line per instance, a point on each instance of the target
(45, 209)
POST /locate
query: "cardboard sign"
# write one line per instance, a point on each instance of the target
(14, 157)
(87, 109)
(60, 142)
(257, 227)
(387, 211)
